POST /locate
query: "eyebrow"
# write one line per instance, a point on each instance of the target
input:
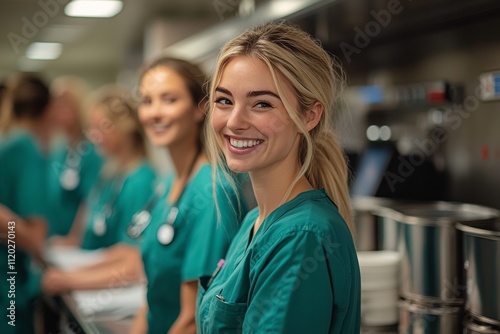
(253, 93)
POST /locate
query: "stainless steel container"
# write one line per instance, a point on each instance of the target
(482, 269)
(474, 326)
(431, 249)
(415, 318)
(388, 229)
(365, 238)
(373, 230)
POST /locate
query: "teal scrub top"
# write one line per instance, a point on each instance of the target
(65, 201)
(117, 199)
(22, 190)
(298, 274)
(201, 239)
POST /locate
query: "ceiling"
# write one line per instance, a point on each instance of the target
(110, 50)
(96, 49)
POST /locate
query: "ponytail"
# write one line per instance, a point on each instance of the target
(328, 170)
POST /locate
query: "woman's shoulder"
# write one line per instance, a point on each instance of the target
(313, 225)
(310, 213)
(141, 178)
(203, 180)
(18, 140)
(144, 170)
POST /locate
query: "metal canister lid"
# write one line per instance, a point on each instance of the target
(428, 308)
(487, 230)
(480, 328)
(444, 213)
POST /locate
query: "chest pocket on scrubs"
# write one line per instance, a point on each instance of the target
(202, 285)
(226, 317)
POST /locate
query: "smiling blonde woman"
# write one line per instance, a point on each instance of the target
(292, 267)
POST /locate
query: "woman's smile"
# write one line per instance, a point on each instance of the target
(240, 146)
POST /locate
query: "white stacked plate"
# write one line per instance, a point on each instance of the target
(379, 287)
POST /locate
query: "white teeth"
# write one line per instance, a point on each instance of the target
(159, 127)
(244, 143)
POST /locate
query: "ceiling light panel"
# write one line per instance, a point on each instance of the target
(93, 8)
(44, 51)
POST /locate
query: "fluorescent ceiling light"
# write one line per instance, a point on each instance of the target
(44, 51)
(93, 8)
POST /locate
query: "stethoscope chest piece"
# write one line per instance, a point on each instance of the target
(165, 234)
(100, 225)
(139, 222)
(166, 231)
(70, 179)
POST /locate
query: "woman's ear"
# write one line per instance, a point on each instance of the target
(313, 116)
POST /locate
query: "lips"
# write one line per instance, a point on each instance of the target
(241, 146)
(238, 143)
(157, 127)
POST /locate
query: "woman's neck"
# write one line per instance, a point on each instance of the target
(187, 158)
(128, 160)
(38, 129)
(183, 155)
(74, 135)
(272, 184)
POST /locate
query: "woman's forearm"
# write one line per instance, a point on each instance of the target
(116, 273)
(186, 321)
(27, 234)
(140, 324)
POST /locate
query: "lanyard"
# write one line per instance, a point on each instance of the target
(166, 231)
(106, 210)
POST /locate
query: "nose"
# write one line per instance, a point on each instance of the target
(156, 109)
(150, 111)
(238, 119)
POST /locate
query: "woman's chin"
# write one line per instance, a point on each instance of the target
(238, 167)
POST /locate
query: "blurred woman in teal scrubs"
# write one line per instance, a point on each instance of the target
(74, 164)
(24, 135)
(292, 268)
(126, 181)
(124, 187)
(186, 233)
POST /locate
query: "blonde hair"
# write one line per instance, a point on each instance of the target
(77, 88)
(291, 54)
(118, 106)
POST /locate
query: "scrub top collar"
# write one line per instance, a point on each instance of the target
(282, 210)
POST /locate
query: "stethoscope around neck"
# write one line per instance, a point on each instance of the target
(101, 217)
(70, 176)
(140, 220)
(166, 231)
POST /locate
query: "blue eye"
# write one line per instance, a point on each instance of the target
(263, 104)
(222, 100)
